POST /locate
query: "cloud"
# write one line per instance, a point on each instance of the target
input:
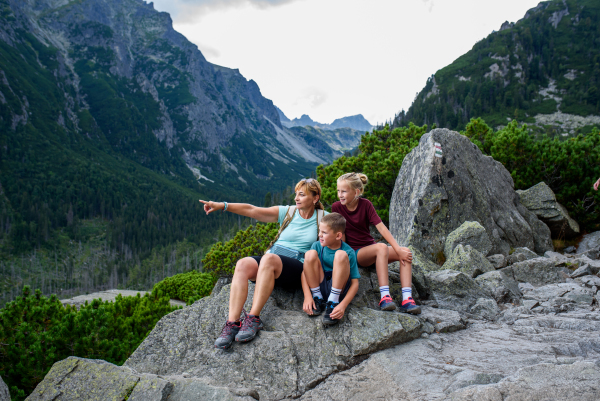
(311, 98)
(428, 4)
(208, 51)
(187, 11)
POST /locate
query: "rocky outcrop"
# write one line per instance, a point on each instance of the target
(590, 245)
(539, 271)
(469, 261)
(435, 193)
(541, 200)
(469, 233)
(499, 286)
(454, 290)
(4, 393)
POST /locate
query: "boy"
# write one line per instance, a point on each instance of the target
(330, 272)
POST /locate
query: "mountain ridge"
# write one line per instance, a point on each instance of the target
(356, 122)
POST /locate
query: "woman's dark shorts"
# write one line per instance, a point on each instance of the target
(291, 273)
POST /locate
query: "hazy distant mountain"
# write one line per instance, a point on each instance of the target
(357, 122)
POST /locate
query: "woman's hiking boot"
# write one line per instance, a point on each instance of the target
(252, 324)
(329, 307)
(387, 303)
(409, 306)
(228, 333)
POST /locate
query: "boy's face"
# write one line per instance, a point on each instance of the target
(327, 237)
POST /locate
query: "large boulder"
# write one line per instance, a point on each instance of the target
(590, 245)
(291, 354)
(469, 233)
(541, 200)
(433, 196)
(469, 261)
(4, 393)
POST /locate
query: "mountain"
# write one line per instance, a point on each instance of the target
(112, 126)
(543, 70)
(357, 122)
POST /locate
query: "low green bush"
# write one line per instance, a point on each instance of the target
(37, 331)
(187, 287)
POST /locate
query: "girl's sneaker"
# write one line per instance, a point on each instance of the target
(409, 306)
(387, 303)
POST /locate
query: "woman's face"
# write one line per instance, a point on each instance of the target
(305, 199)
(345, 194)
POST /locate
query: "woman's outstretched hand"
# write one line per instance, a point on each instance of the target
(597, 184)
(211, 206)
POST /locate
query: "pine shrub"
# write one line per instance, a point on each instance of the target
(187, 287)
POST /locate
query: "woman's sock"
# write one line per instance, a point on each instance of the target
(335, 295)
(316, 292)
(406, 293)
(384, 290)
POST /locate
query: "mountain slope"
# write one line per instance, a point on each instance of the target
(543, 70)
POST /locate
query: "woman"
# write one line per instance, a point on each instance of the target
(271, 269)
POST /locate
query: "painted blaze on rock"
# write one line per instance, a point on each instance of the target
(434, 195)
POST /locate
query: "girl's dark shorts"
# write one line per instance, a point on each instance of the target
(291, 273)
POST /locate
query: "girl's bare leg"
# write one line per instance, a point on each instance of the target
(378, 254)
(405, 267)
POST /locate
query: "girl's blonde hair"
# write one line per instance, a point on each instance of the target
(355, 181)
(312, 185)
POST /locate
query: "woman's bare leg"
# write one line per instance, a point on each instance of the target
(269, 269)
(245, 269)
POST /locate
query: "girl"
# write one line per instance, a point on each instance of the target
(359, 213)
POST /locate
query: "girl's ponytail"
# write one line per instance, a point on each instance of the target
(355, 180)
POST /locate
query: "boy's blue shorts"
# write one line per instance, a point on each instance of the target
(325, 286)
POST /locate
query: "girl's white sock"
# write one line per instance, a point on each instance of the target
(406, 293)
(384, 290)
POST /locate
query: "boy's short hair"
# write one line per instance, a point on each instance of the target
(335, 221)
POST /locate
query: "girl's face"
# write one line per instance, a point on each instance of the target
(345, 194)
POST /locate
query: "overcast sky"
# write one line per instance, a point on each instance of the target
(336, 58)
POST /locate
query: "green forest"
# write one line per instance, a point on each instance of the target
(503, 77)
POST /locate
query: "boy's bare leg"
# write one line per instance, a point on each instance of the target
(269, 269)
(378, 254)
(245, 269)
(341, 270)
(312, 269)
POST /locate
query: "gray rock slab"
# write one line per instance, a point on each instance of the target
(539, 271)
(95, 380)
(502, 288)
(589, 242)
(454, 290)
(469, 233)
(591, 281)
(479, 359)
(485, 308)
(291, 354)
(4, 393)
(546, 381)
(110, 295)
(433, 196)
(498, 261)
(442, 320)
(584, 270)
(541, 200)
(593, 264)
(468, 260)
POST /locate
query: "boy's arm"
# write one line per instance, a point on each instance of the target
(308, 304)
(403, 253)
(338, 311)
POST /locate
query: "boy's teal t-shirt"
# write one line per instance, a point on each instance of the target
(329, 254)
(300, 233)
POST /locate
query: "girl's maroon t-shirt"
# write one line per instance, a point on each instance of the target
(358, 234)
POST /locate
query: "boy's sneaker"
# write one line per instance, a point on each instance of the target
(228, 333)
(327, 320)
(387, 303)
(409, 306)
(252, 324)
(319, 306)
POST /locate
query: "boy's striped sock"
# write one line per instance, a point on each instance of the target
(335, 295)
(384, 290)
(316, 292)
(406, 293)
